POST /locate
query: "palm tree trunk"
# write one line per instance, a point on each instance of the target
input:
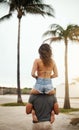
(19, 99)
(66, 99)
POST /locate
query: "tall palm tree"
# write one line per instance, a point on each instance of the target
(22, 7)
(59, 33)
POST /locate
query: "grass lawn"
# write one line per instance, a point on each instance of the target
(62, 110)
(13, 104)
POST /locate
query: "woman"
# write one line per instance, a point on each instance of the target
(44, 69)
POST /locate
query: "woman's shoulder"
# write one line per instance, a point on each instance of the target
(37, 59)
(53, 61)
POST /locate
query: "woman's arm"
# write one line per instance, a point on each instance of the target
(55, 71)
(34, 69)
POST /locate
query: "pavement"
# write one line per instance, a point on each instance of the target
(15, 118)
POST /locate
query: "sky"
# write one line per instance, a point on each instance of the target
(32, 29)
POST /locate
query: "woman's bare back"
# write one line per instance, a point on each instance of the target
(44, 71)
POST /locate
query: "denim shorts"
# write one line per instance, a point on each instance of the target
(43, 85)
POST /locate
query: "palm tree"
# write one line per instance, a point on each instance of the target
(22, 7)
(59, 33)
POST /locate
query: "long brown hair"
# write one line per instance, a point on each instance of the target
(45, 52)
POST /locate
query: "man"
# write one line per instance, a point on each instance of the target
(43, 104)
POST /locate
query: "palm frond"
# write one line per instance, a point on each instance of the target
(27, 2)
(3, 1)
(56, 39)
(73, 32)
(33, 10)
(48, 9)
(72, 26)
(5, 17)
(75, 39)
(50, 32)
(39, 9)
(52, 39)
(56, 26)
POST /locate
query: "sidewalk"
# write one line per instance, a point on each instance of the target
(15, 118)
